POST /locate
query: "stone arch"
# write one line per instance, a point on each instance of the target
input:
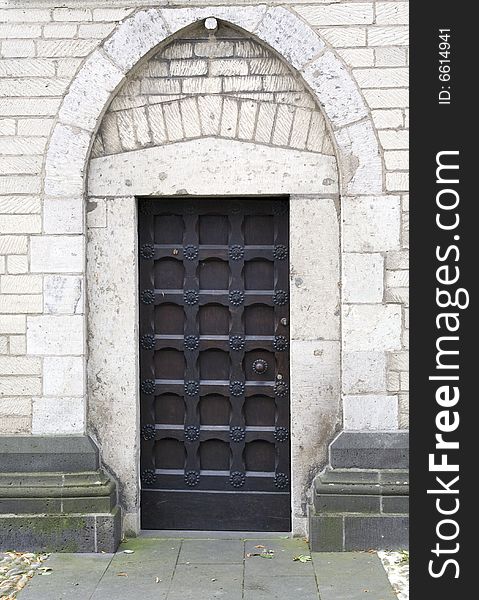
(137, 36)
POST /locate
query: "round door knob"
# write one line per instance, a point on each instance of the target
(260, 366)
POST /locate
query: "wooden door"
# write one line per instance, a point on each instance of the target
(214, 364)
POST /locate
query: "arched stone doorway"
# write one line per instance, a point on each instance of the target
(305, 174)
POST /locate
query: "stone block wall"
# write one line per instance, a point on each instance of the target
(42, 304)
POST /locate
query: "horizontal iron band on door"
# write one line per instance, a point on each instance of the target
(209, 434)
(201, 297)
(155, 252)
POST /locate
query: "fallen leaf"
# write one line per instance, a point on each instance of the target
(260, 546)
(302, 558)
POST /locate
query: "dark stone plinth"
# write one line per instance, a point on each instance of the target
(361, 501)
(61, 533)
(54, 497)
(370, 450)
(28, 454)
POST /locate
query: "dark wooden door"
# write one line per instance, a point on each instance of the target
(214, 364)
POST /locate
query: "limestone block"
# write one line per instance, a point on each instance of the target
(344, 37)
(389, 13)
(346, 13)
(89, 92)
(388, 98)
(382, 78)
(370, 412)
(13, 244)
(63, 294)
(63, 215)
(388, 118)
(359, 158)
(19, 386)
(96, 212)
(290, 36)
(168, 169)
(20, 365)
(20, 303)
(112, 342)
(135, 37)
(63, 376)
(363, 278)
(58, 416)
(246, 17)
(330, 80)
(12, 324)
(388, 36)
(22, 205)
(55, 335)
(371, 327)
(57, 254)
(21, 284)
(371, 224)
(18, 344)
(315, 410)
(363, 372)
(65, 161)
(314, 269)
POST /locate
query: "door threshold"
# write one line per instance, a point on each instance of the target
(214, 535)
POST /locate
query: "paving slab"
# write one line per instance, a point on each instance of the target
(282, 564)
(281, 588)
(73, 577)
(207, 582)
(212, 552)
(351, 576)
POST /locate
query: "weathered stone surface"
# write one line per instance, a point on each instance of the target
(63, 376)
(364, 372)
(369, 327)
(371, 224)
(57, 254)
(336, 90)
(168, 169)
(112, 331)
(63, 215)
(370, 412)
(90, 91)
(138, 34)
(65, 163)
(314, 269)
(363, 278)
(360, 161)
(55, 335)
(289, 36)
(315, 407)
(53, 416)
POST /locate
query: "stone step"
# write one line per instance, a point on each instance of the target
(340, 532)
(85, 532)
(27, 454)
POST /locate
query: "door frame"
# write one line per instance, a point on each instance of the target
(314, 315)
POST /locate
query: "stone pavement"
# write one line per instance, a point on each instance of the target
(210, 569)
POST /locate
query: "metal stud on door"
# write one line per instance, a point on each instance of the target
(214, 364)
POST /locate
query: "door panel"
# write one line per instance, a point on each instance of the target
(214, 364)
